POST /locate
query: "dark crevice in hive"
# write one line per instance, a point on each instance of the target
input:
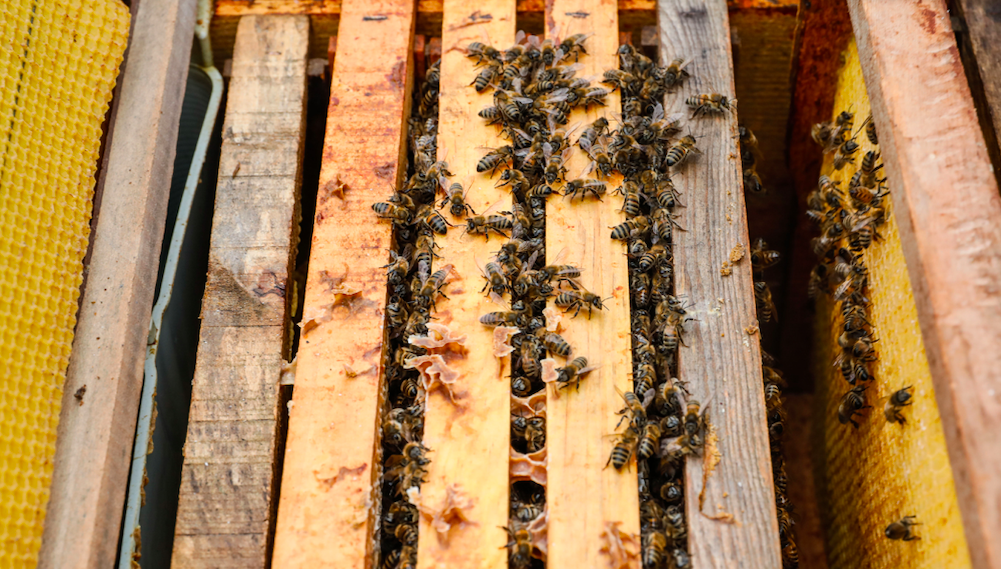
(411, 268)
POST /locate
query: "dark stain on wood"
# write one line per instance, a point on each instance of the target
(398, 76)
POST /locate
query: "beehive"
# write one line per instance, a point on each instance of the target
(451, 491)
(58, 66)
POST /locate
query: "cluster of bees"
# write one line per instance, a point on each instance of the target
(413, 289)
(762, 258)
(849, 219)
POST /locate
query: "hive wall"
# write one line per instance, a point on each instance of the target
(58, 64)
(883, 471)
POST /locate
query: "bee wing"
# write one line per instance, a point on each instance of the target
(531, 261)
(560, 256)
(534, 41)
(523, 100)
(585, 144)
(588, 169)
(547, 151)
(519, 37)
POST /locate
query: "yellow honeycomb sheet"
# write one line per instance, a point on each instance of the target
(870, 477)
(58, 64)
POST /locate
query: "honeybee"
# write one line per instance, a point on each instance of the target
(761, 256)
(487, 75)
(521, 386)
(680, 151)
(457, 198)
(495, 158)
(593, 132)
(555, 169)
(431, 219)
(525, 509)
(574, 371)
(519, 546)
(630, 198)
(584, 187)
(710, 103)
(634, 411)
(763, 302)
(852, 403)
(845, 154)
(600, 160)
(572, 299)
(630, 228)
(650, 440)
(558, 271)
(654, 546)
(672, 492)
(407, 534)
(482, 51)
(671, 332)
(870, 130)
(670, 393)
(752, 181)
(504, 318)
(623, 449)
(496, 280)
(484, 224)
(675, 73)
(694, 420)
(574, 45)
(554, 343)
(531, 429)
(398, 214)
(901, 530)
(639, 284)
(895, 403)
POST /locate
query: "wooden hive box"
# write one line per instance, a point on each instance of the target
(348, 413)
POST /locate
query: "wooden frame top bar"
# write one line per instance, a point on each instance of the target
(947, 205)
(730, 499)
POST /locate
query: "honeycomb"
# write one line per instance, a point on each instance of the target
(883, 471)
(58, 64)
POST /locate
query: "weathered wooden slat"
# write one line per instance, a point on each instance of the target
(470, 440)
(730, 506)
(949, 212)
(583, 496)
(983, 22)
(94, 441)
(329, 507)
(228, 481)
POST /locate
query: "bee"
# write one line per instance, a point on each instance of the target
(554, 343)
(486, 76)
(851, 403)
(870, 130)
(600, 160)
(550, 52)
(680, 151)
(521, 387)
(867, 170)
(895, 403)
(649, 441)
(482, 51)
(763, 302)
(496, 280)
(531, 429)
(555, 169)
(407, 534)
(790, 555)
(519, 546)
(623, 449)
(752, 181)
(526, 511)
(639, 284)
(845, 154)
(654, 545)
(655, 255)
(901, 530)
(503, 318)
(433, 220)
(662, 223)
(481, 224)
(665, 193)
(491, 113)
(672, 492)
(670, 393)
(762, 257)
(572, 299)
(710, 103)
(671, 332)
(398, 214)
(457, 198)
(675, 73)
(584, 187)
(391, 560)
(495, 158)
(574, 46)
(397, 269)
(694, 421)
(562, 273)
(519, 183)
(630, 228)
(573, 371)
(634, 411)
(529, 354)
(592, 133)
(681, 558)
(862, 228)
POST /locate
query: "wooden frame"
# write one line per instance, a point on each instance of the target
(948, 207)
(94, 444)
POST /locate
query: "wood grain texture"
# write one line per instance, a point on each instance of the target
(328, 511)
(983, 24)
(948, 209)
(226, 502)
(721, 362)
(94, 442)
(582, 494)
(822, 32)
(471, 440)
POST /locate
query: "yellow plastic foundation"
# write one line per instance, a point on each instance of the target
(58, 64)
(883, 471)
